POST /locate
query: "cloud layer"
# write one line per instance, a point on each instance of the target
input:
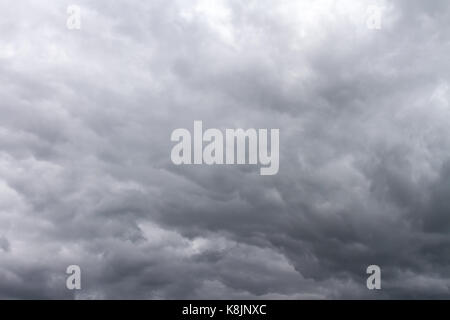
(85, 170)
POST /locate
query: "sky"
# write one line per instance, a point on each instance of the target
(86, 176)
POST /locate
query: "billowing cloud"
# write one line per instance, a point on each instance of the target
(85, 170)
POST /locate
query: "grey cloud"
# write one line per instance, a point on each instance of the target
(85, 170)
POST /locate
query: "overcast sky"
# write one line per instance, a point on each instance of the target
(86, 176)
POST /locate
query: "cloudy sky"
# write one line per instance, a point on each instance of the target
(86, 176)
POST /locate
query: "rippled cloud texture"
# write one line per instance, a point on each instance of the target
(85, 170)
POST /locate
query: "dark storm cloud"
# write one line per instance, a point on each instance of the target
(85, 170)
